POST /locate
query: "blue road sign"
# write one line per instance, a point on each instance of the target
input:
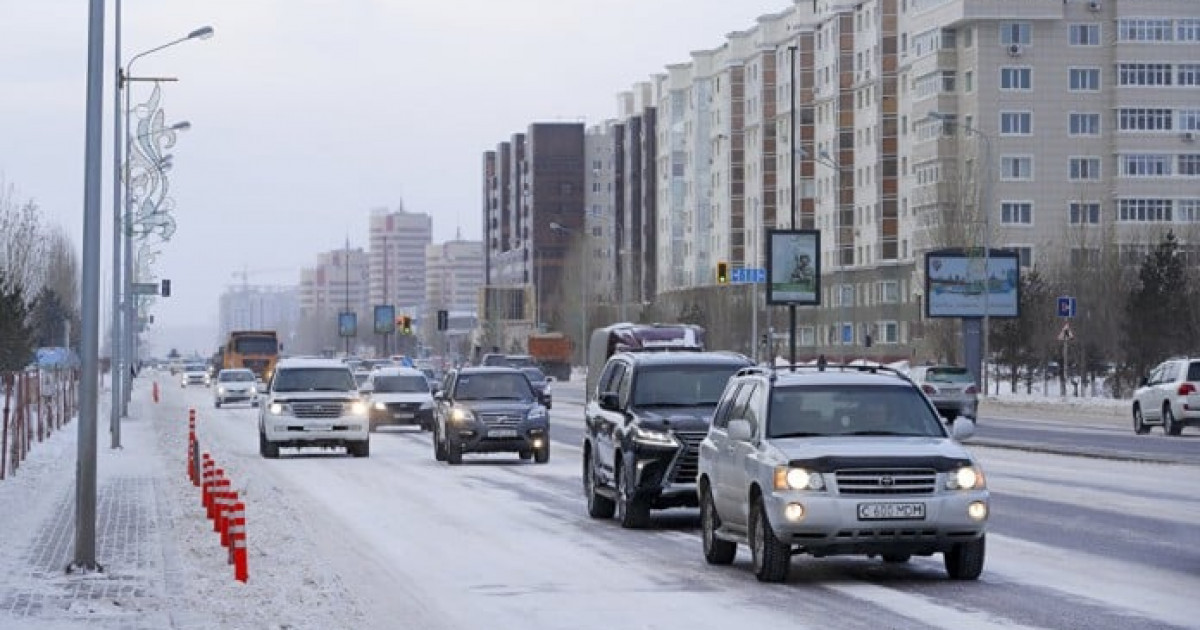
(743, 275)
(1066, 306)
(738, 275)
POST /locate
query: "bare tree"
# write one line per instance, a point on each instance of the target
(21, 241)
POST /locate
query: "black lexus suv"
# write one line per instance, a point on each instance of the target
(644, 423)
(489, 410)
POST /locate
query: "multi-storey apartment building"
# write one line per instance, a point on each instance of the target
(257, 307)
(397, 242)
(337, 284)
(600, 185)
(455, 272)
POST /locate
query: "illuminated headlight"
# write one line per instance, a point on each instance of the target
(965, 478)
(652, 437)
(379, 406)
(461, 414)
(221, 390)
(253, 391)
(793, 511)
(276, 409)
(978, 510)
(358, 408)
(787, 478)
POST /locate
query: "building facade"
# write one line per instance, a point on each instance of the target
(339, 283)
(398, 274)
(254, 307)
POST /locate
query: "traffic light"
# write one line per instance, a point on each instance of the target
(166, 288)
(443, 320)
(405, 325)
(722, 272)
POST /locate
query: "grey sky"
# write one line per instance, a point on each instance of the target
(308, 113)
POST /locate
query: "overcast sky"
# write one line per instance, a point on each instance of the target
(306, 114)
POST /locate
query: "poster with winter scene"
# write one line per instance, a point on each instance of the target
(956, 284)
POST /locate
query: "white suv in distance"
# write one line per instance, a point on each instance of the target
(840, 460)
(313, 402)
(399, 396)
(1169, 396)
(235, 385)
(195, 374)
(951, 388)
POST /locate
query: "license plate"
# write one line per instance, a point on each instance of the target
(502, 433)
(404, 416)
(891, 511)
(319, 427)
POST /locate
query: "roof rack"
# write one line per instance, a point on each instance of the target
(772, 370)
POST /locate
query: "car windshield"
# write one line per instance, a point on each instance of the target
(499, 386)
(237, 376)
(256, 345)
(195, 367)
(681, 385)
(535, 375)
(837, 410)
(949, 375)
(314, 380)
(401, 384)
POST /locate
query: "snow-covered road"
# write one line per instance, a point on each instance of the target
(402, 541)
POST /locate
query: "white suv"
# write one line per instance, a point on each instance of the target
(1169, 396)
(313, 402)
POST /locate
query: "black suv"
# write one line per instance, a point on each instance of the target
(489, 410)
(644, 424)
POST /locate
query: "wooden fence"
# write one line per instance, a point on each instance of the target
(34, 404)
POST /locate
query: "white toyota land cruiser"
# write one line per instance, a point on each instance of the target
(313, 402)
(837, 460)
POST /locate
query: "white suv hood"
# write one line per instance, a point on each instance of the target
(869, 446)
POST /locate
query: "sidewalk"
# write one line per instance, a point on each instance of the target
(139, 586)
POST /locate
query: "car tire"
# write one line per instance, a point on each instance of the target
(897, 558)
(716, 550)
(359, 449)
(542, 455)
(266, 448)
(217, 404)
(599, 506)
(964, 561)
(1139, 422)
(632, 512)
(371, 426)
(453, 452)
(770, 557)
(439, 449)
(524, 455)
(1170, 426)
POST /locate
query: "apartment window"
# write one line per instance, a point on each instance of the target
(1187, 74)
(1016, 78)
(969, 81)
(889, 332)
(1024, 254)
(1144, 30)
(1016, 212)
(1145, 165)
(1084, 79)
(1144, 210)
(1189, 120)
(1081, 256)
(1144, 74)
(847, 336)
(1189, 165)
(1144, 119)
(1085, 168)
(889, 292)
(1085, 34)
(1015, 33)
(1085, 213)
(968, 37)
(1187, 30)
(1016, 167)
(1016, 123)
(806, 336)
(846, 295)
(1187, 210)
(1084, 124)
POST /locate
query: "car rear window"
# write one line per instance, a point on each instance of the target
(1194, 371)
(949, 375)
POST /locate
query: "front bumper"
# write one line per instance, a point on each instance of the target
(388, 417)
(957, 406)
(665, 475)
(831, 524)
(293, 431)
(480, 437)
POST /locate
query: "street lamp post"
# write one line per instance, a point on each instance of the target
(985, 202)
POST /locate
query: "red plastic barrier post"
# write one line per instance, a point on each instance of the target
(237, 542)
(154, 392)
(220, 500)
(206, 479)
(213, 486)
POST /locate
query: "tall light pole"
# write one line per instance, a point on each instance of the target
(986, 203)
(128, 330)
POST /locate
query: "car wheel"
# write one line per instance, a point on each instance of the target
(453, 452)
(599, 506)
(217, 404)
(896, 558)
(1170, 427)
(771, 558)
(439, 450)
(542, 455)
(1139, 422)
(964, 561)
(268, 449)
(716, 550)
(632, 512)
(359, 449)
(371, 426)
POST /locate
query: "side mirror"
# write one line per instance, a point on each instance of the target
(609, 400)
(739, 430)
(1144, 382)
(550, 379)
(962, 428)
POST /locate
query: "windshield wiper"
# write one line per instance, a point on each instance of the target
(884, 433)
(798, 434)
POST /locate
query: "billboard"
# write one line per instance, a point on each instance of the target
(793, 267)
(347, 324)
(385, 319)
(955, 285)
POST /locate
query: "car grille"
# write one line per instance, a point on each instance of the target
(407, 406)
(317, 410)
(687, 464)
(501, 420)
(886, 481)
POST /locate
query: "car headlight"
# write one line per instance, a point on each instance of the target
(358, 408)
(966, 478)
(221, 390)
(276, 409)
(253, 391)
(380, 406)
(653, 437)
(788, 478)
(461, 414)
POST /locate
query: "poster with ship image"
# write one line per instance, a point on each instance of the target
(955, 284)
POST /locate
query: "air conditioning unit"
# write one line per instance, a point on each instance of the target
(1188, 136)
(1094, 6)
(1014, 50)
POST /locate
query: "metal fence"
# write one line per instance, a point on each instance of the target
(34, 404)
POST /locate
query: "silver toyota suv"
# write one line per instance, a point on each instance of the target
(837, 460)
(313, 402)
